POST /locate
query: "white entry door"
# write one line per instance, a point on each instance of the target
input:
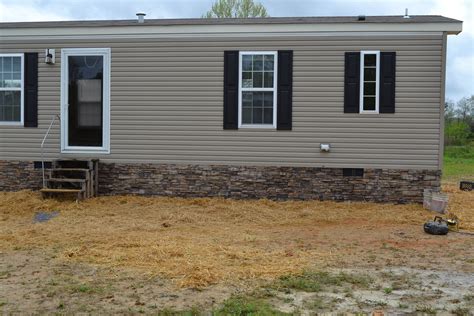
(85, 100)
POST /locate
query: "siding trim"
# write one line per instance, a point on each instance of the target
(212, 30)
(442, 101)
(26, 37)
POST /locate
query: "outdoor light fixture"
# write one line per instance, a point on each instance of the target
(50, 56)
(325, 147)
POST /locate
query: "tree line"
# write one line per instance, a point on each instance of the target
(459, 121)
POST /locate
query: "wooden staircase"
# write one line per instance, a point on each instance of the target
(72, 177)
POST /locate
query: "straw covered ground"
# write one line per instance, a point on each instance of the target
(199, 242)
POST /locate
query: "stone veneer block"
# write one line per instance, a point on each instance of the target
(242, 182)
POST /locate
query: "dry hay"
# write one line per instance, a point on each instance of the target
(461, 204)
(197, 242)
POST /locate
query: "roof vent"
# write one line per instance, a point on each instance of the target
(406, 16)
(141, 17)
(361, 18)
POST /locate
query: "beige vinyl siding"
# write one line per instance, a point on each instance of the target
(167, 104)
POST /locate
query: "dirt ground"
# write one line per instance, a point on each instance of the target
(149, 255)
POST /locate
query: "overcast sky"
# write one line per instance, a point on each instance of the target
(460, 67)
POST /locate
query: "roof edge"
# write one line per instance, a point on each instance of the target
(235, 21)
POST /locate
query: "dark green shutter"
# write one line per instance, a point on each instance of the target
(231, 89)
(285, 90)
(387, 82)
(30, 76)
(351, 82)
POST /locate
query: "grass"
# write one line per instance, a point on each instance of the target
(425, 309)
(244, 305)
(315, 281)
(458, 162)
(318, 303)
(170, 312)
(388, 290)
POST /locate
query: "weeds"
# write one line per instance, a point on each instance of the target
(426, 309)
(245, 305)
(460, 311)
(468, 297)
(85, 288)
(311, 281)
(317, 303)
(170, 312)
(387, 290)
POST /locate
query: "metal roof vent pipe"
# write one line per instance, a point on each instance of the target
(141, 17)
(406, 16)
(361, 18)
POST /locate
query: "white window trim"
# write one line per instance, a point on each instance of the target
(274, 89)
(22, 89)
(65, 53)
(377, 81)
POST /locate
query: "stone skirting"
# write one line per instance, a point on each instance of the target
(279, 183)
(19, 175)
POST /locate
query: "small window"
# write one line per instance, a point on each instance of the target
(257, 89)
(11, 89)
(369, 81)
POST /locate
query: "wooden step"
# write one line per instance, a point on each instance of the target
(47, 190)
(74, 174)
(70, 169)
(73, 163)
(66, 180)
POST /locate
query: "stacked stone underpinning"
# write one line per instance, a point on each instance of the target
(19, 175)
(243, 182)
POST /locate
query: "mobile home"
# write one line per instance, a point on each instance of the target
(340, 108)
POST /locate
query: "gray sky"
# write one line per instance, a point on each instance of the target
(460, 67)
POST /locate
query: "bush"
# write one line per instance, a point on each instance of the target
(456, 133)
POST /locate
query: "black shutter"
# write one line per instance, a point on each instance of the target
(231, 89)
(352, 82)
(387, 82)
(31, 90)
(285, 90)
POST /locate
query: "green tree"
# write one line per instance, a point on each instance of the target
(449, 110)
(236, 9)
(457, 133)
(465, 109)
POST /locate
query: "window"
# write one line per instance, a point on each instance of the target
(257, 89)
(11, 89)
(369, 81)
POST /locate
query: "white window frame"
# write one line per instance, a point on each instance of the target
(274, 89)
(22, 89)
(377, 81)
(106, 54)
